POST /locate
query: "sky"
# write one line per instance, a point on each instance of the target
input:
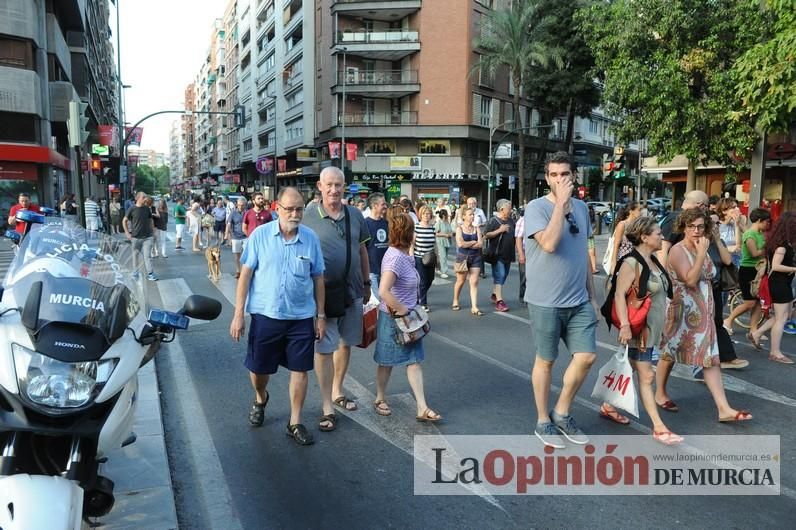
(163, 44)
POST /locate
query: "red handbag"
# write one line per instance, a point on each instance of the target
(764, 295)
(637, 309)
(369, 320)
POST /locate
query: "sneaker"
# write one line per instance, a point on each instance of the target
(548, 434)
(566, 425)
(444, 276)
(179, 248)
(151, 277)
(501, 306)
(790, 327)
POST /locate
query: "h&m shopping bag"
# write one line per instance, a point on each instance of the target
(615, 383)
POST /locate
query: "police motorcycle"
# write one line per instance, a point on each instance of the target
(75, 327)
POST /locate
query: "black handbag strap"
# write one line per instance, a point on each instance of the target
(347, 242)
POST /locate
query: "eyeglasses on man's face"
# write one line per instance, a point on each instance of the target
(292, 209)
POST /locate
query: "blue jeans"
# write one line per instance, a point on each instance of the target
(374, 284)
(500, 270)
(426, 278)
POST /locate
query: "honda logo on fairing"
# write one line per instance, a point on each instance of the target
(69, 299)
(69, 345)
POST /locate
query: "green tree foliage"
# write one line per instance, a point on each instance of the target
(152, 180)
(765, 74)
(514, 38)
(667, 66)
(570, 90)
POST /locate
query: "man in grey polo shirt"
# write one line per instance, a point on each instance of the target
(557, 228)
(327, 220)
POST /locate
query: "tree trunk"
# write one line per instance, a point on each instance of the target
(520, 141)
(690, 182)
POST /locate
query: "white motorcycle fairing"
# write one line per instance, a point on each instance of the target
(39, 502)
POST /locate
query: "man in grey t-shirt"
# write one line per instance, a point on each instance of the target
(557, 227)
(139, 226)
(327, 220)
(234, 231)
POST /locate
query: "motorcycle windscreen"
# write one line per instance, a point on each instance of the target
(75, 319)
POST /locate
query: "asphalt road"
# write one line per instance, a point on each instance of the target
(228, 475)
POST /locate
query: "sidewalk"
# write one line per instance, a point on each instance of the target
(140, 472)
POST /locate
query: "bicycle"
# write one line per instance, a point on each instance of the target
(734, 299)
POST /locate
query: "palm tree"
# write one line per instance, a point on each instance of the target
(514, 38)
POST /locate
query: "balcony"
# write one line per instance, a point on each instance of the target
(19, 91)
(376, 10)
(380, 83)
(61, 93)
(56, 44)
(387, 45)
(367, 119)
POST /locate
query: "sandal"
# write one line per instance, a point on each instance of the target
(613, 415)
(257, 412)
(755, 343)
(669, 405)
(667, 438)
(331, 419)
(741, 415)
(300, 434)
(729, 329)
(344, 403)
(382, 408)
(476, 312)
(429, 416)
(784, 359)
(455, 307)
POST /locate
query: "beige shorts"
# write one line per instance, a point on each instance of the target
(345, 330)
(237, 245)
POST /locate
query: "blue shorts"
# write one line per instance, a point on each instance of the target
(273, 342)
(645, 356)
(500, 271)
(473, 260)
(576, 325)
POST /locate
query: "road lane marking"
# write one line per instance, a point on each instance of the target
(173, 292)
(216, 499)
(731, 383)
(396, 433)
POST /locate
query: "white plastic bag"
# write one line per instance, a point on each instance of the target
(615, 383)
(608, 256)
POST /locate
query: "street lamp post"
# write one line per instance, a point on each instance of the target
(343, 49)
(492, 130)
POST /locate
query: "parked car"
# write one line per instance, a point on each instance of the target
(600, 207)
(659, 204)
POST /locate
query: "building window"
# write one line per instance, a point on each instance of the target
(17, 53)
(593, 127)
(295, 99)
(247, 145)
(270, 62)
(294, 130)
(486, 110)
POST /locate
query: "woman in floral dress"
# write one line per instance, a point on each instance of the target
(690, 332)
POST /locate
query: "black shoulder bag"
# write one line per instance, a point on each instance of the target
(338, 298)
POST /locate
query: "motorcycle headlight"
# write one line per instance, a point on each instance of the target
(61, 387)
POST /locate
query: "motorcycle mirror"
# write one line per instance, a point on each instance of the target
(30, 217)
(47, 211)
(201, 307)
(13, 236)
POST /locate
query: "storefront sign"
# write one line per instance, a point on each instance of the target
(264, 165)
(17, 171)
(434, 147)
(430, 174)
(306, 155)
(411, 163)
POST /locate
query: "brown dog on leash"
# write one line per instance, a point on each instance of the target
(213, 257)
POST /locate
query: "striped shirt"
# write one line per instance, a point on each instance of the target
(425, 239)
(92, 210)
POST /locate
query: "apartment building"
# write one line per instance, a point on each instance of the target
(393, 79)
(188, 128)
(176, 153)
(278, 138)
(146, 157)
(51, 53)
(209, 98)
(231, 145)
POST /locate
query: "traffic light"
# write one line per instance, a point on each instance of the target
(619, 162)
(96, 165)
(498, 180)
(77, 126)
(240, 116)
(608, 167)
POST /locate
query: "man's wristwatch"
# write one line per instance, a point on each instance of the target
(321, 316)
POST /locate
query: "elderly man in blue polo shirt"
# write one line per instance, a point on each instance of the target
(282, 277)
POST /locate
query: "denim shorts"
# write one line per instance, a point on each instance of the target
(473, 260)
(388, 351)
(500, 271)
(275, 342)
(645, 356)
(576, 325)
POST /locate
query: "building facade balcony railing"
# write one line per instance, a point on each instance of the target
(385, 36)
(378, 77)
(378, 118)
